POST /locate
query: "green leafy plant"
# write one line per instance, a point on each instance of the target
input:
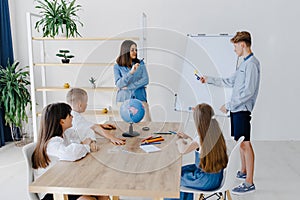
(14, 93)
(63, 53)
(57, 13)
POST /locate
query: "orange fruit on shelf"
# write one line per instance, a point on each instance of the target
(104, 110)
(66, 85)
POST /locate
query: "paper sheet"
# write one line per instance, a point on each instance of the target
(149, 148)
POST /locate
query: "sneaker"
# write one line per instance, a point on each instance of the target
(241, 175)
(243, 189)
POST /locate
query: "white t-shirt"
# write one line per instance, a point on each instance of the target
(58, 150)
(82, 126)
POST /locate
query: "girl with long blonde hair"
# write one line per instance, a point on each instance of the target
(210, 153)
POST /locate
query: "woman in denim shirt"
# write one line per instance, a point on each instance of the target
(131, 76)
(210, 155)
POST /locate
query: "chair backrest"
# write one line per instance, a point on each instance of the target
(232, 167)
(27, 152)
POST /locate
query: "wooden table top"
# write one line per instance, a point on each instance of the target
(120, 170)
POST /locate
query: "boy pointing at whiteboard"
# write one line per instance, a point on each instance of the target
(245, 84)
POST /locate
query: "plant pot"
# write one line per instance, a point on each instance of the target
(65, 61)
(16, 133)
(62, 32)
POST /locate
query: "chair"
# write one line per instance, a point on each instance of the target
(27, 152)
(228, 181)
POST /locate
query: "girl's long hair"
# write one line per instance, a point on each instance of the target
(49, 127)
(213, 155)
(124, 57)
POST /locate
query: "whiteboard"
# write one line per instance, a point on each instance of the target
(211, 55)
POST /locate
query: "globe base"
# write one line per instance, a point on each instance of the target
(133, 134)
(130, 133)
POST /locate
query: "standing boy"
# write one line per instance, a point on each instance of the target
(245, 84)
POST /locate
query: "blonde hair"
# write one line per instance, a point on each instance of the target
(213, 155)
(242, 36)
(76, 95)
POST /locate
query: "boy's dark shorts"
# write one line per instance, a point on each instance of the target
(240, 125)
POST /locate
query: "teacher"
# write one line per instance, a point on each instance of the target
(131, 76)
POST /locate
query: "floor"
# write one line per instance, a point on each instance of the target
(277, 172)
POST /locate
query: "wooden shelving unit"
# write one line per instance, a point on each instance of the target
(42, 65)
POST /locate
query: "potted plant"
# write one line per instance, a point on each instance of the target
(92, 80)
(15, 96)
(63, 53)
(57, 15)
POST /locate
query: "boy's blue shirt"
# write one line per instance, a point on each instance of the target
(245, 84)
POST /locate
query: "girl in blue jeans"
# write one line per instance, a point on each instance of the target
(210, 155)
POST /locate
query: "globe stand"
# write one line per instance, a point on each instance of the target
(130, 133)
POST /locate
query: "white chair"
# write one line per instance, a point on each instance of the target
(228, 181)
(27, 152)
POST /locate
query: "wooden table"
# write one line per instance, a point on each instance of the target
(119, 170)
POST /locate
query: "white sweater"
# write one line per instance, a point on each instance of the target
(58, 150)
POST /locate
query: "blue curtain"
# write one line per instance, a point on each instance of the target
(6, 54)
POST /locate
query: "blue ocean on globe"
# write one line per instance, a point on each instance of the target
(132, 111)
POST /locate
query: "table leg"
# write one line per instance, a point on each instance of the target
(60, 197)
(115, 197)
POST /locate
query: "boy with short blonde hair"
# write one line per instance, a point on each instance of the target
(78, 99)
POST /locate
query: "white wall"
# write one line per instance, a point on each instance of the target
(274, 26)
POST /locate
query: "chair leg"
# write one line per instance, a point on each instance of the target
(115, 198)
(228, 195)
(221, 197)
(60, 197)
(201, 196)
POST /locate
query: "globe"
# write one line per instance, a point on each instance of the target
(132, 111)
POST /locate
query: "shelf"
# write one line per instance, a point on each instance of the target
(98, 89)
(99, 112)
(37, 52)
(87, 39)
(73, 64)
(94, 112)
